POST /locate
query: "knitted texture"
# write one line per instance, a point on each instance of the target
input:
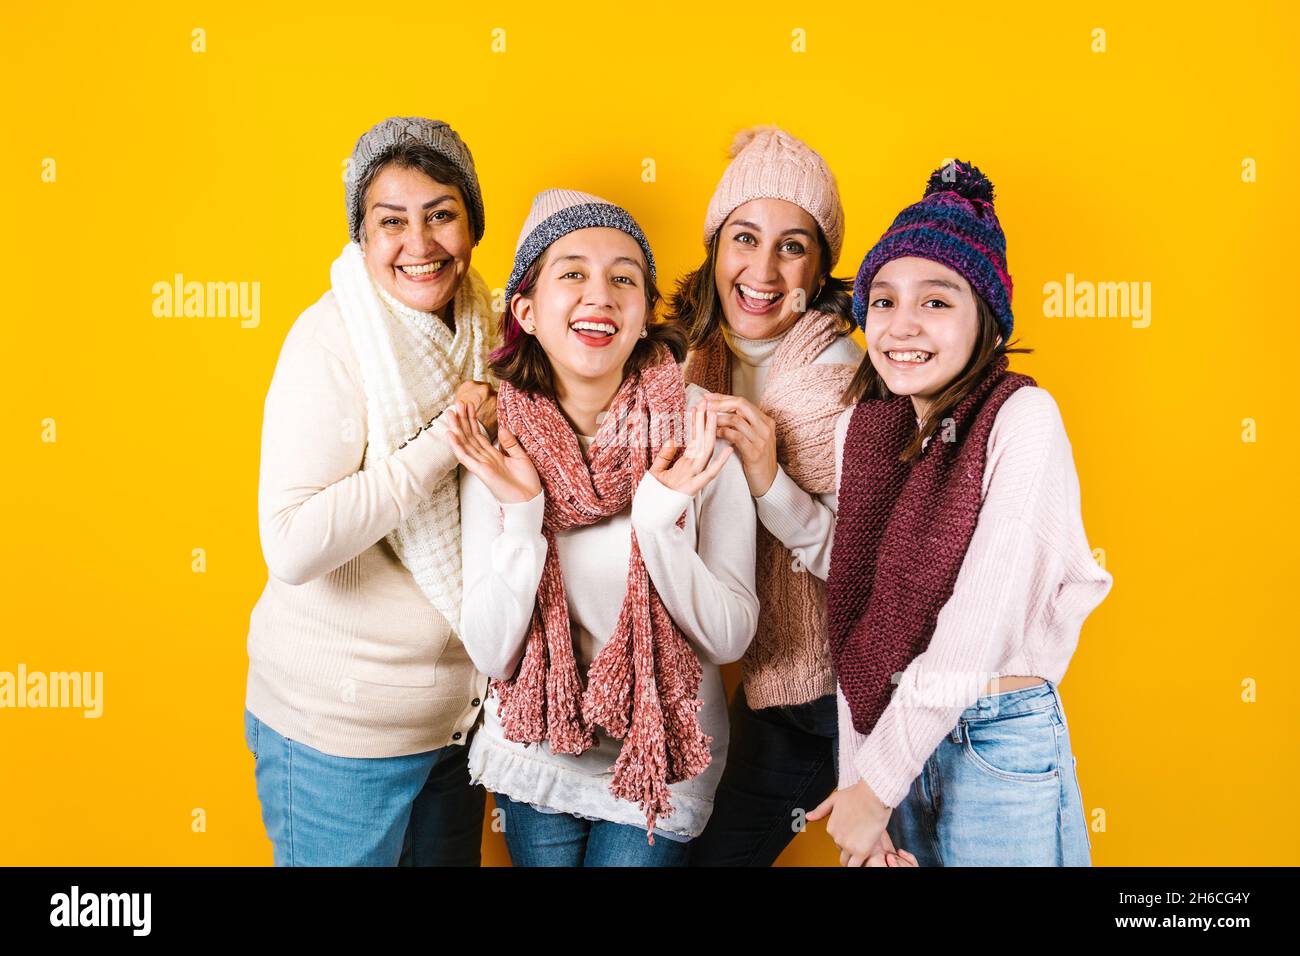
(642, 686)
(789, 660)
(411, 364)
(558, 212)
(901, 534)
(769, 163)
(953, 224)
(375, 144)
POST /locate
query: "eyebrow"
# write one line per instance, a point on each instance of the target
(579, 258)
(429, 204)
(885, 284)
(753, 225)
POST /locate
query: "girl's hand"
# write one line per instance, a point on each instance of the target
(507, 472)
(886, 855)
(691, 471)
(754, 436)
(857, 820)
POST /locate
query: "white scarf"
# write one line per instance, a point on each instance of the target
(411, 364)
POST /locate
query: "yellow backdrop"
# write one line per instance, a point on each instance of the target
(207, 140)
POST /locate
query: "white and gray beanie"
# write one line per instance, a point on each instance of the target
(377, 144)
(558, 212)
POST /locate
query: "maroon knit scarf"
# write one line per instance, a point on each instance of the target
(642, 685)
(901, 534)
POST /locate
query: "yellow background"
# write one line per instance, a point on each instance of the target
(225, 166)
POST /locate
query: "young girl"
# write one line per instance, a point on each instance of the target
(607, 574)
(770, 336)
(959, 560)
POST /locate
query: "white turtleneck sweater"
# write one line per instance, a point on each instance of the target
(804, 524)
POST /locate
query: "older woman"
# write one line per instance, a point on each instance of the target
(361, 698)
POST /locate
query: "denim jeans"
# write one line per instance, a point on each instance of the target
(1002, 789)
(535, 838)
(321, 810)
(781, 762)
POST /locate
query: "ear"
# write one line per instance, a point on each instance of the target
(522, 310)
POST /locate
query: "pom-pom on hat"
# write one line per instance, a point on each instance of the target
(769, 163)
(953, 224)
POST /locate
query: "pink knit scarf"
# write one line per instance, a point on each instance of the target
(901, 535)
(789, 661)
(642, 685)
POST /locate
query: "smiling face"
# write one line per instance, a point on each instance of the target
(588, 306)
(416, 237)
(921, 329)
(768, 267)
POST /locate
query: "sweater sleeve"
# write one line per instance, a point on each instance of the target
(804, 523)
(316, 509)
(502, 569)
(710, 591)
(1011, 569)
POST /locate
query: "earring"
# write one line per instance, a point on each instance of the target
(644, 333)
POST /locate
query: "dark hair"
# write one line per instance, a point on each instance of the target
(696, 305)
(867, 383)
(523, 362)
(412, 154)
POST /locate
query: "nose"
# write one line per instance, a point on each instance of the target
(596, 293)
(767, 267)
(418, 242)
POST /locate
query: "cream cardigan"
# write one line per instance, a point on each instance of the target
(346, 654)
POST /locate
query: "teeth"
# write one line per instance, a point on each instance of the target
(605, 327)
(425, 269)
(755, 294)
(913, 356)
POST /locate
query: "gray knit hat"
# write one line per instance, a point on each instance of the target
(558, 212)
(374, 146)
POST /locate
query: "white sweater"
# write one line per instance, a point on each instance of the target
(1026, 584)
(346, 654)
(704, 574)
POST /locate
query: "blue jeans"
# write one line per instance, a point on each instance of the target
(1002, 789)
(535, 838)
(781, 762)
(321, 810)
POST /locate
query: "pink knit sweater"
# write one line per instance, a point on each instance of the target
(1026, 585)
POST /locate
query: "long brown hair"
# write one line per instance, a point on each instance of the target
(867, 383)
(524, 363)
(696, 305)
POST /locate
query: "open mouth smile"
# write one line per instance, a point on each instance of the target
(756, 301)
(594, 332)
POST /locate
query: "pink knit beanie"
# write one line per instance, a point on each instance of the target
(769, 163)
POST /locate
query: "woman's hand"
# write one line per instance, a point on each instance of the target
(507, 472)
(484, 398)
(691, 471)
(857, 820)
(754, 436)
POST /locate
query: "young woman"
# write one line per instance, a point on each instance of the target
(770, 336)
(960, 569)
(608, 554)
(360, 699)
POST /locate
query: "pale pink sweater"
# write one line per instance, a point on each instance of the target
(1026, 585)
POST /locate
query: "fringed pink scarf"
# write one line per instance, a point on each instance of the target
(642, 685)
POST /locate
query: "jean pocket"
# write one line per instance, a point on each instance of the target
(252, 727)
(1020, 747)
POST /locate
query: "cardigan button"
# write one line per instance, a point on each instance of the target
(456, 735)
(475, 702)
